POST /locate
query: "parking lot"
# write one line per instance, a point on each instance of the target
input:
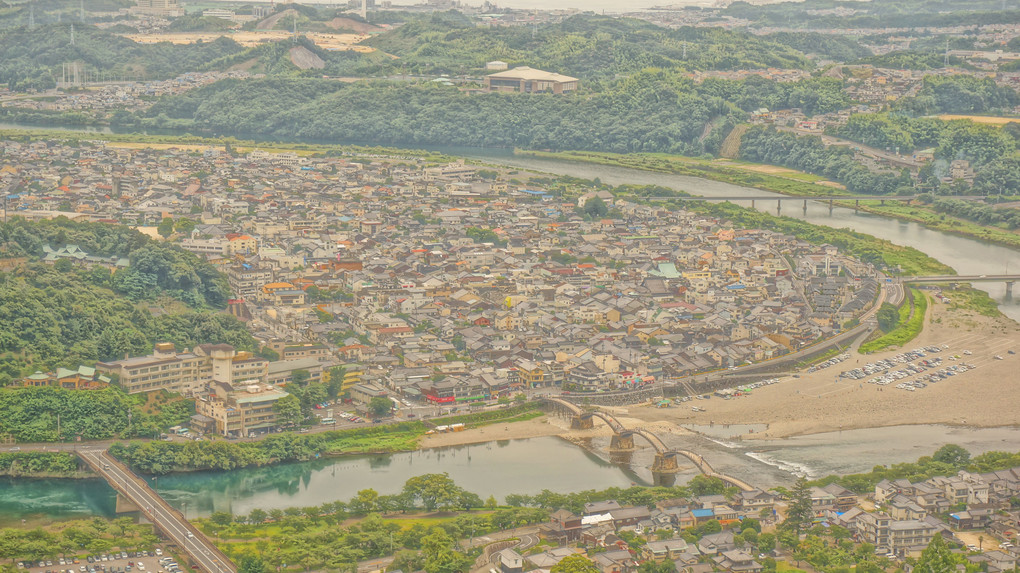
(119, 562)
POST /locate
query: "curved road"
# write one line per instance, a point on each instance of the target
(170, 521)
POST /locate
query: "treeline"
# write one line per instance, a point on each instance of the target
(33, 56)
(635, 495)
(86, 536)
(53, 317)
(959, 139)
(68, 314)
(990, 150)
(768, 145)
(651, 111)
(38, 463)
(902, 14)
(155, 269)
(586, 46)
(48, 414)
(165, 457)
(960, 93)
(832, 47)
(913, 60)
(981, 213)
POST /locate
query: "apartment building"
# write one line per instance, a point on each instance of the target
(164, 369)
(240, 413)
(186, 372)
(247, 280)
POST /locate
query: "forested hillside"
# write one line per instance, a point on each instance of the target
(32, 57)
(586, 46)
(898, 14)
(653, 110)
(66, 314)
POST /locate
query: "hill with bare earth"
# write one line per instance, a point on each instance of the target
(305, 59)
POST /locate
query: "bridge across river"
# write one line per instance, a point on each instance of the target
(1009, 279)
(623, 440)
(170, 521)
(780, 199)
(784, 198)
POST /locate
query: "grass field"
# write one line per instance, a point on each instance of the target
(910, 324)
(984, 119)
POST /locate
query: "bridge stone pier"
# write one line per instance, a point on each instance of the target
(665, 463)
(583, 421)
(624, 441)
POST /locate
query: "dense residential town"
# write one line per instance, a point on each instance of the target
(442, 282)
(898, 520)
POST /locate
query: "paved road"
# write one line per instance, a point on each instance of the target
(173, 524)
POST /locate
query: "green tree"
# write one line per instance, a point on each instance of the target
(595, 208)
(433, 490)
(300, 377)
(288, 410)
(252, 564)
(165, 227)
(953, 455)
(706, 485)
(799, 512)
(380, 406)
(440, 557)
(936, 558)
(257, 516)
(221, 518)
(575, 564)
(888, 315)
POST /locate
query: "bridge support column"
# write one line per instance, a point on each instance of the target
(857, 204)
(805, 205)
(125, 505)
(752, 203)
(582, 422)
(779, 206)
(1009, 289)
(665, 464)
(830, 206)
(882, 202)
(622, 442)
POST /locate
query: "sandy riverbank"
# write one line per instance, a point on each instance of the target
(818, 402)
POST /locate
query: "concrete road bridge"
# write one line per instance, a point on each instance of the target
(1003, 278)
(133, 493)
(623, 440)
(780, 199)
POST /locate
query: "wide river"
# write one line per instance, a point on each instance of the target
(500, 468)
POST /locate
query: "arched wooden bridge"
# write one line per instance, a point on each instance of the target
(623, 440)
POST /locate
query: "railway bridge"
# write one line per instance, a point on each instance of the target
(623, 440)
